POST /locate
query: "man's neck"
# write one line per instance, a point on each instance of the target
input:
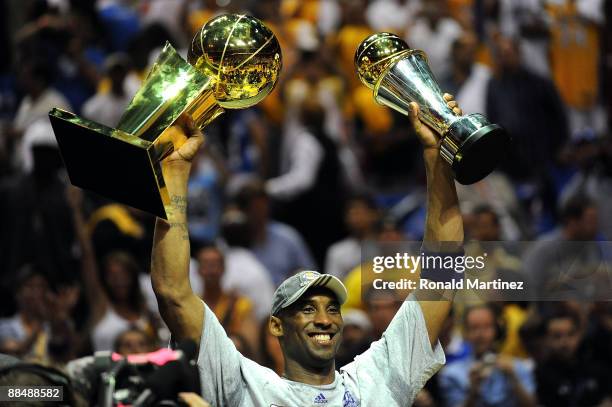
(312, 376)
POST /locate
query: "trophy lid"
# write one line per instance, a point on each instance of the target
(375, 54)
(242, 54)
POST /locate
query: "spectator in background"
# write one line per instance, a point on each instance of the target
(467, 79)
(391, 15)
(234, 311)
(501, 263)
(244, 273)
(208, 176)
(516, 96)
(119, 303)
(356, 336)
(278, 246)
(113, 290)
(310, 192)
(133, 341)
(168, 13)
(434, 32)
(593, 159)
(567, 377)
(454, 345)
(485, 226)
(24, 333)
(361, 219)
(107, 107)
(353, 29)
(526, 21)
(35, 217)
(575, 47)
(381, 307)
(387, 239)
(35, 78)
(41, 330)
(567, 258)
(486, 378)
(120, 22)
(497, 192)
(114, 226)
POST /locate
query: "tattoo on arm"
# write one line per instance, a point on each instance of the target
(182, 226)
(179, 203)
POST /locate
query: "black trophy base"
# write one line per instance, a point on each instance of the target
(108, 162)
(481, 149)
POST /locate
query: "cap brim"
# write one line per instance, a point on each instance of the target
(326, 281)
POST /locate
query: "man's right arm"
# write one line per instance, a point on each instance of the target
(179, 306)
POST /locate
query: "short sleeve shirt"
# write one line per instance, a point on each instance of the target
(390, 373)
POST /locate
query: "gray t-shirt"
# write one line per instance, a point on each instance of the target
(390, 373)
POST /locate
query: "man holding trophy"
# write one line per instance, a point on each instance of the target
(164, 132)
(306, 316)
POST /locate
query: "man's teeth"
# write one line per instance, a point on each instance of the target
(322, 338)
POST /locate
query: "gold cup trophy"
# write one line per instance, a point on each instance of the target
(399, 75)
(234, 63)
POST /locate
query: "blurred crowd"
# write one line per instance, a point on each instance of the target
(309, 178)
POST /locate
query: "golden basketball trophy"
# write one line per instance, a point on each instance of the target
(399, 75)
(234, 62)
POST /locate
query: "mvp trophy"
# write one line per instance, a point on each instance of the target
(234, 62)
(399, 75)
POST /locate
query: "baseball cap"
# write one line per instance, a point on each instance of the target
(295, 286)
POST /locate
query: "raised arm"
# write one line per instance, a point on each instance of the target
(96, 296)
(179, 306)
(444, 222)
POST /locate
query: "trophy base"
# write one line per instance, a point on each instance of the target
(109, 162)
(481, 148)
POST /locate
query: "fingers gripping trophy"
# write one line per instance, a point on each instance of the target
(233, 63)
(399, 75)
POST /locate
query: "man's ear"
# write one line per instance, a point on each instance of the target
(276, 326)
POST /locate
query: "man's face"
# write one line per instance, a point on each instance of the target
(480, 330)
(312, 328)
(32, 294)
(381, 310)
(360, 218)
(585, 227)
(259, 210)
(133, 342)
(563, 338)
(486, 227)
(119, 280)
(464, 51)
(210, 263)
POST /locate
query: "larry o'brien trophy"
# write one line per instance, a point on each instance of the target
(399, 75)
(234, 62)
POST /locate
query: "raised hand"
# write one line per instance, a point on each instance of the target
(189, 140)
(428, 137)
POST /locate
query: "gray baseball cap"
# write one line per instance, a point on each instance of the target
(295, 286)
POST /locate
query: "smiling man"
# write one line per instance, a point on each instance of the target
(305, 315)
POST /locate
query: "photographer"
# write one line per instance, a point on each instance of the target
(486, 378)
